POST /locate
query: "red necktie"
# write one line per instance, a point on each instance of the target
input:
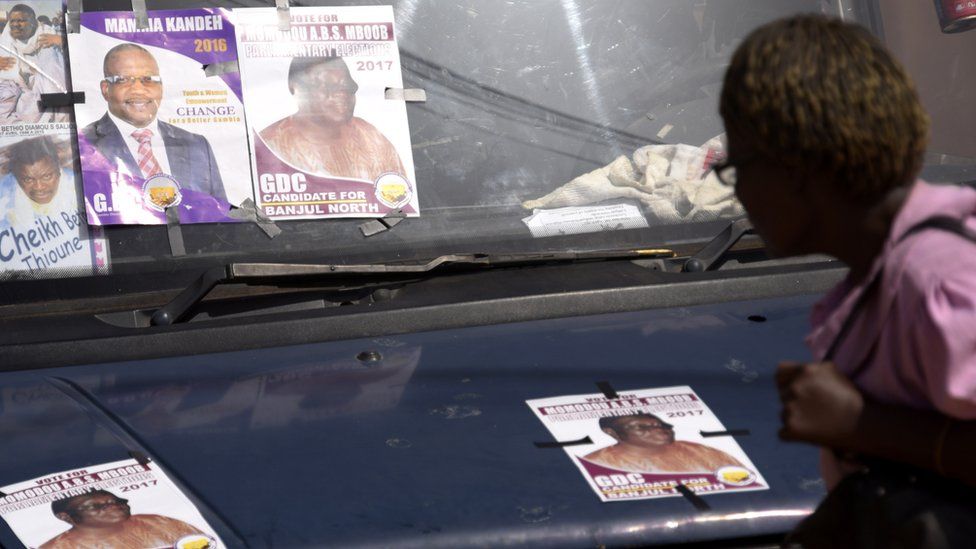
(147, 160)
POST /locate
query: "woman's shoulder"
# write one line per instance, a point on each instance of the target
(935, 257)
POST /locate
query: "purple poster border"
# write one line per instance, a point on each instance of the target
(103, 184)
(95, 22)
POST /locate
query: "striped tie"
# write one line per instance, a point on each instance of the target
(147, 160)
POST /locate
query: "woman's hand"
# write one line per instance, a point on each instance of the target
(820, 405)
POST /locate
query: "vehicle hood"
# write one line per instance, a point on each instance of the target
(425, 440)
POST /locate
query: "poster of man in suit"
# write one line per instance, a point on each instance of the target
(159, 137)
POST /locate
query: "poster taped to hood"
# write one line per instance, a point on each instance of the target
(155, 131)
(646, 442)
(326, 142)
(118, 505)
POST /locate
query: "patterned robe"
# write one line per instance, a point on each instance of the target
(360, 151)
(679, 457)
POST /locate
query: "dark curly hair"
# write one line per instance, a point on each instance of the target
(818, 94)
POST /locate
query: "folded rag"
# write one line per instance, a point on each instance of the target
(674, 183)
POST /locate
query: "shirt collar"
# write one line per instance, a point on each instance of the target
(126, 129)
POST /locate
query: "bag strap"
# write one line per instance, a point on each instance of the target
(940, 222)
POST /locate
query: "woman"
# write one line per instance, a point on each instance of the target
(826, 137)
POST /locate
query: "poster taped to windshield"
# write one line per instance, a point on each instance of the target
(646, 442)
(118, 505)
(155, 131)
(31, 64)
(43, 232)
(326, 143)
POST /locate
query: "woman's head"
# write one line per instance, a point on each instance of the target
(817, 95)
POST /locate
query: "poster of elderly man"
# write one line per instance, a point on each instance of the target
(326, 139)
(31, 61)
(43, 233)
(124, 504)
(158, 134)
(647, 444)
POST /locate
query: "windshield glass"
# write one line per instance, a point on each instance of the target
(552, 125)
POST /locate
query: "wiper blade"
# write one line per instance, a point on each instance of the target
(177, 309)
(265, 270)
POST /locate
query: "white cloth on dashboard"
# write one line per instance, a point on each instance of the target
(674, 183)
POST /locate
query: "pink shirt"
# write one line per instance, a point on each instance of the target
(923, 317)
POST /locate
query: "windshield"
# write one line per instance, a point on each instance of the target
(552, 125)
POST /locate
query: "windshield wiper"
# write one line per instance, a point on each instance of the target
(177, 309)
(706, 258)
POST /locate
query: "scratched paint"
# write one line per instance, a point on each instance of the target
(454, 411)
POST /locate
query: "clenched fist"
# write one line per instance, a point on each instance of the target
(820, 405)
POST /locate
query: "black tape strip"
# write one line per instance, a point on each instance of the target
(693, 498)
(382, 224)
(729, 433)
(553, 444)
(140, 457)
(140, 13)
(174, 232)
(371, 227)
(247, 211)
(72, 19)
(51, 100)
(224, 67)
(607, 390)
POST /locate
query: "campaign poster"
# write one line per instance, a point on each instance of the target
(325, 140)
(646, 442)
(31, 62)
(43, 231)
(119, 505)
(155, 132)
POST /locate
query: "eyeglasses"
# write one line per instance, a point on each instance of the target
(127, 81)
(89, 507)
(726, 170)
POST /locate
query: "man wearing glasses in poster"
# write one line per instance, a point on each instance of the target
(131, 138)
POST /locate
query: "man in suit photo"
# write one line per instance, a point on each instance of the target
(130, 136)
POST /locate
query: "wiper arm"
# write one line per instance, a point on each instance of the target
(707, 257)
(177, 309)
